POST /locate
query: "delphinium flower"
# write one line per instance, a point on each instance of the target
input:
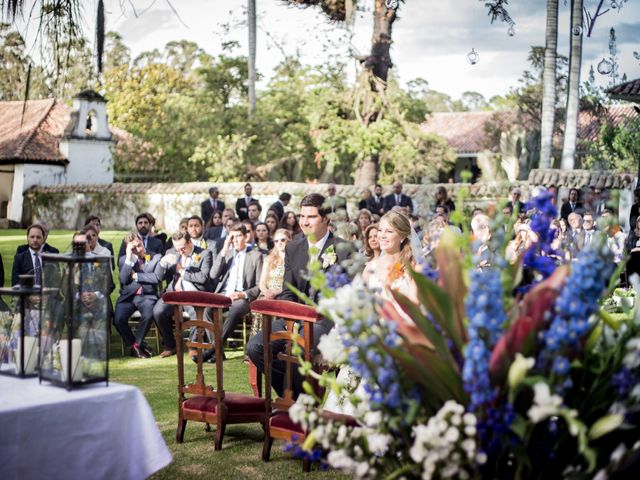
(337, 277)
(539, 256)
(577, 301)
(446, 447)
(627, 379)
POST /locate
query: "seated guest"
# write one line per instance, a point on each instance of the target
(195, 228)
(242, 203)
(254, 211)
(314, 221)
(375, 204)
(214, 221)
(290, 222)
(272, 223)
(398, 199)
(186, 268)
(480, 227)
(515, 203)
(140, 276)
(91, 237)
(46, 248)
(335, 202)
(442, 199)
(279, 205)
(211, 205)
(370, 240)
(152, 245)
(251, 233)
(364, 201)
(218, 231)
(96, 223)
(572, 205)
(28, 261)
(364, 219)
(575, 236)
(182, 227)
(237, 270)
(264, 244)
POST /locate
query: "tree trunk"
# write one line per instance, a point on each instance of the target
(573, 95)
(549, 85)
(379, 62)
(251, 8)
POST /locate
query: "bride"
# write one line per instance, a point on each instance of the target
(389, 271)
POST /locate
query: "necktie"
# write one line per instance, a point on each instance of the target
(587, 240)
(140, 265)
(37, 268)
(397, 199)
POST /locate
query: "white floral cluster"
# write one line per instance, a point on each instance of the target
(446, 446)
(350, 301)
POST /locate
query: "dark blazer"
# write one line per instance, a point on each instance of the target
(296, 258)
(250, 277)
(149, 278)
(566, 209)
(196, 273)
(242, 208)
(1, 272)
(45, 249)
(206, 209)
(390, 202)
(375, 205)
(278, 207)
(109, 246)
(154, 245)
(213, 233)
(22, 265)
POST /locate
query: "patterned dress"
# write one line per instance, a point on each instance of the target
(275, 281)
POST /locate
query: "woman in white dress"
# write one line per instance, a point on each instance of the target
(387, 272)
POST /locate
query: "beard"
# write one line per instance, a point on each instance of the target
(143, 231)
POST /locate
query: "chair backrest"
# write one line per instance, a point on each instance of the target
(199, 301)
(290, 312)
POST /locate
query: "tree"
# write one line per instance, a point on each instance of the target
(14, 68)
(473, 101)
(549, 85)
(573, 95)
(251, 12)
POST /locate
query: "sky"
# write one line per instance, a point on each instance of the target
(431, 38)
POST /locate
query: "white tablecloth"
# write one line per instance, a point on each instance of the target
(95, 432)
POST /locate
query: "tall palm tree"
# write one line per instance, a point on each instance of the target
(549, 85)
(252, 56)
(573, 94)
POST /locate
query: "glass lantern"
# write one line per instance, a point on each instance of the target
(19, 326)
(74, 344)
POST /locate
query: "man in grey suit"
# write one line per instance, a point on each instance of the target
(140, 276)
(237, 271)
(186, 268)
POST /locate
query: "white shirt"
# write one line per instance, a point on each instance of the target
(33, 261)
(236, 273)
(319, 244)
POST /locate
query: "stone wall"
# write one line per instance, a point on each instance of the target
(117, 204)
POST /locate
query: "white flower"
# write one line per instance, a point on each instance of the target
(297, 412)
(328, 259)
(481, 458)
(519, 369)
(342, 434)
(362, 469)
(469, 419)
(332, 348)
(449, 470)
(339, 460)
(452, 435)
(379, 443)
(545, 404)
(373, 419)
(470, 431)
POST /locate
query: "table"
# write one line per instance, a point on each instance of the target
(95, 432)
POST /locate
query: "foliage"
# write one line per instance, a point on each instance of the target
(491, 383)
(617, 148)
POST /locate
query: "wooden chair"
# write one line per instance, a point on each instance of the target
(198, 401)
(280, 425)
(152, 334)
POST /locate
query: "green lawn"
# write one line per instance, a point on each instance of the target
(240, 456)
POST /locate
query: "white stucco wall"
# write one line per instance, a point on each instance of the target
(90, 161)
(29, 175)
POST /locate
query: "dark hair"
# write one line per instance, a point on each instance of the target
(147, 216)
(239, 227)
(444, 207)
(247, 185)
(256, 203)
(213, 189)
(39, 227)
(91, 218)
(283, 223)
(181, 235)
(248, 225)
(196, 217)
(316, 200)
(88, 228)
(285, 197)
(377, 185)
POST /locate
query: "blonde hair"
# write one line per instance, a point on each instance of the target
(273, 257)
(402, 225)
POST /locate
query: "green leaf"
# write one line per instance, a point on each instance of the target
(605, 425)
(519, 426)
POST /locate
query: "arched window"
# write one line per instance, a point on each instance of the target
(92, 123)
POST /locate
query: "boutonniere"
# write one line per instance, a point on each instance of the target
(147, 257)
(329, 257)
(204, 245)
(196, 257)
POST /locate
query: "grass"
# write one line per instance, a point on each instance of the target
(240, 456)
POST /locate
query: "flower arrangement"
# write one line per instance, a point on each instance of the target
(491, 378)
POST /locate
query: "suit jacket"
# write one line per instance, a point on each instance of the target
(197, 272)
(45, 249)
(566, 209)
(296, 258)
(250, 277)
(149, 278)
(390, 202)
(154, 245)
(242, 208)
(375, 205)
(278, 207)
(109, 246)
(206, 209)
(22, 265)
(213, 233)
(1, 272)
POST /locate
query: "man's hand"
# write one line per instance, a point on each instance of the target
(89, 298)
(129, 251)
(237, 296)
(168, 260)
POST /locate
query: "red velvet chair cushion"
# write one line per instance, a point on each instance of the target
(348, 420)
(285, 309)
(237, 403)
(196, 299)
(282, 420)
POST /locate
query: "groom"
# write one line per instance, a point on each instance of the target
(314, 222)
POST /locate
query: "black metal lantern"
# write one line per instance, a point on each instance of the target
(74, 343)
(19, 327)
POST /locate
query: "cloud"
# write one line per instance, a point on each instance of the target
(135, 29)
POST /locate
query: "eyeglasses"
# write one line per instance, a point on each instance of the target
(278, 240)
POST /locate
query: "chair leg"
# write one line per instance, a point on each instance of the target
(266, 447)
(306, 465)
(219, 434)
(182, 424)
(207, 427)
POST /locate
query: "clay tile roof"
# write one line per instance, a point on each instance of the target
(33, 137)
(629, 91)
(463, 130)
(580, 178)
(589, 124)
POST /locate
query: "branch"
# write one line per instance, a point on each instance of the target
(591, 19)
